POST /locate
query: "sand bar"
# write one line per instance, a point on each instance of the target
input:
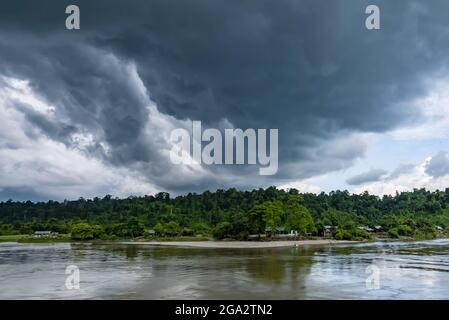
(238, 244)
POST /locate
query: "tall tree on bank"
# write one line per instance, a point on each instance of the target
(298, 216)
(271, 212)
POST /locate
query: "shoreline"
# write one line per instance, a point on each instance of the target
(238, 244)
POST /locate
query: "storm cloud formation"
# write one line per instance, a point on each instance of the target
(136, 70)
(438, 165)
(369, 176)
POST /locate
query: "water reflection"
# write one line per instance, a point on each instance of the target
(418, 270)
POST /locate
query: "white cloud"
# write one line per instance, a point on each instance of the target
(20, 91)
(29, 159)
(302, 186)
(414, 177)
(434, 108)
(50, 168)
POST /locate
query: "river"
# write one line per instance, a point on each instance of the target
(379, 270)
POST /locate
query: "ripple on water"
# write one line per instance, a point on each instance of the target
(407, 270)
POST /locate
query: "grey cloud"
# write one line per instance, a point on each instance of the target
(309, 68)
(56, 130)
(91, 90)
(369, 176)
(401, 170)
(438, 165)
(22, 194)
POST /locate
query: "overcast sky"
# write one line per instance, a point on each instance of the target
(89, 112)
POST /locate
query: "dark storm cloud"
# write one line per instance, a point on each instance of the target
(369, 176)
(438, 165)
(309, 68)
(306, 67)
(91, 89)
(21, 194)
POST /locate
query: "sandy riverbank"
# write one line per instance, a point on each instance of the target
(238, 244)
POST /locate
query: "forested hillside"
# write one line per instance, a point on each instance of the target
(234, 214)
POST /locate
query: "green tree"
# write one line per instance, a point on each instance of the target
(256, 219)
(299, 219)
(271, 212)
(222, 230)
(201, 228)
(172, 229)
(169, 229)
(135, 227)
(85, 231)
(159, 228)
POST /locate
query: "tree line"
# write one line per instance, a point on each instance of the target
(234, 214)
